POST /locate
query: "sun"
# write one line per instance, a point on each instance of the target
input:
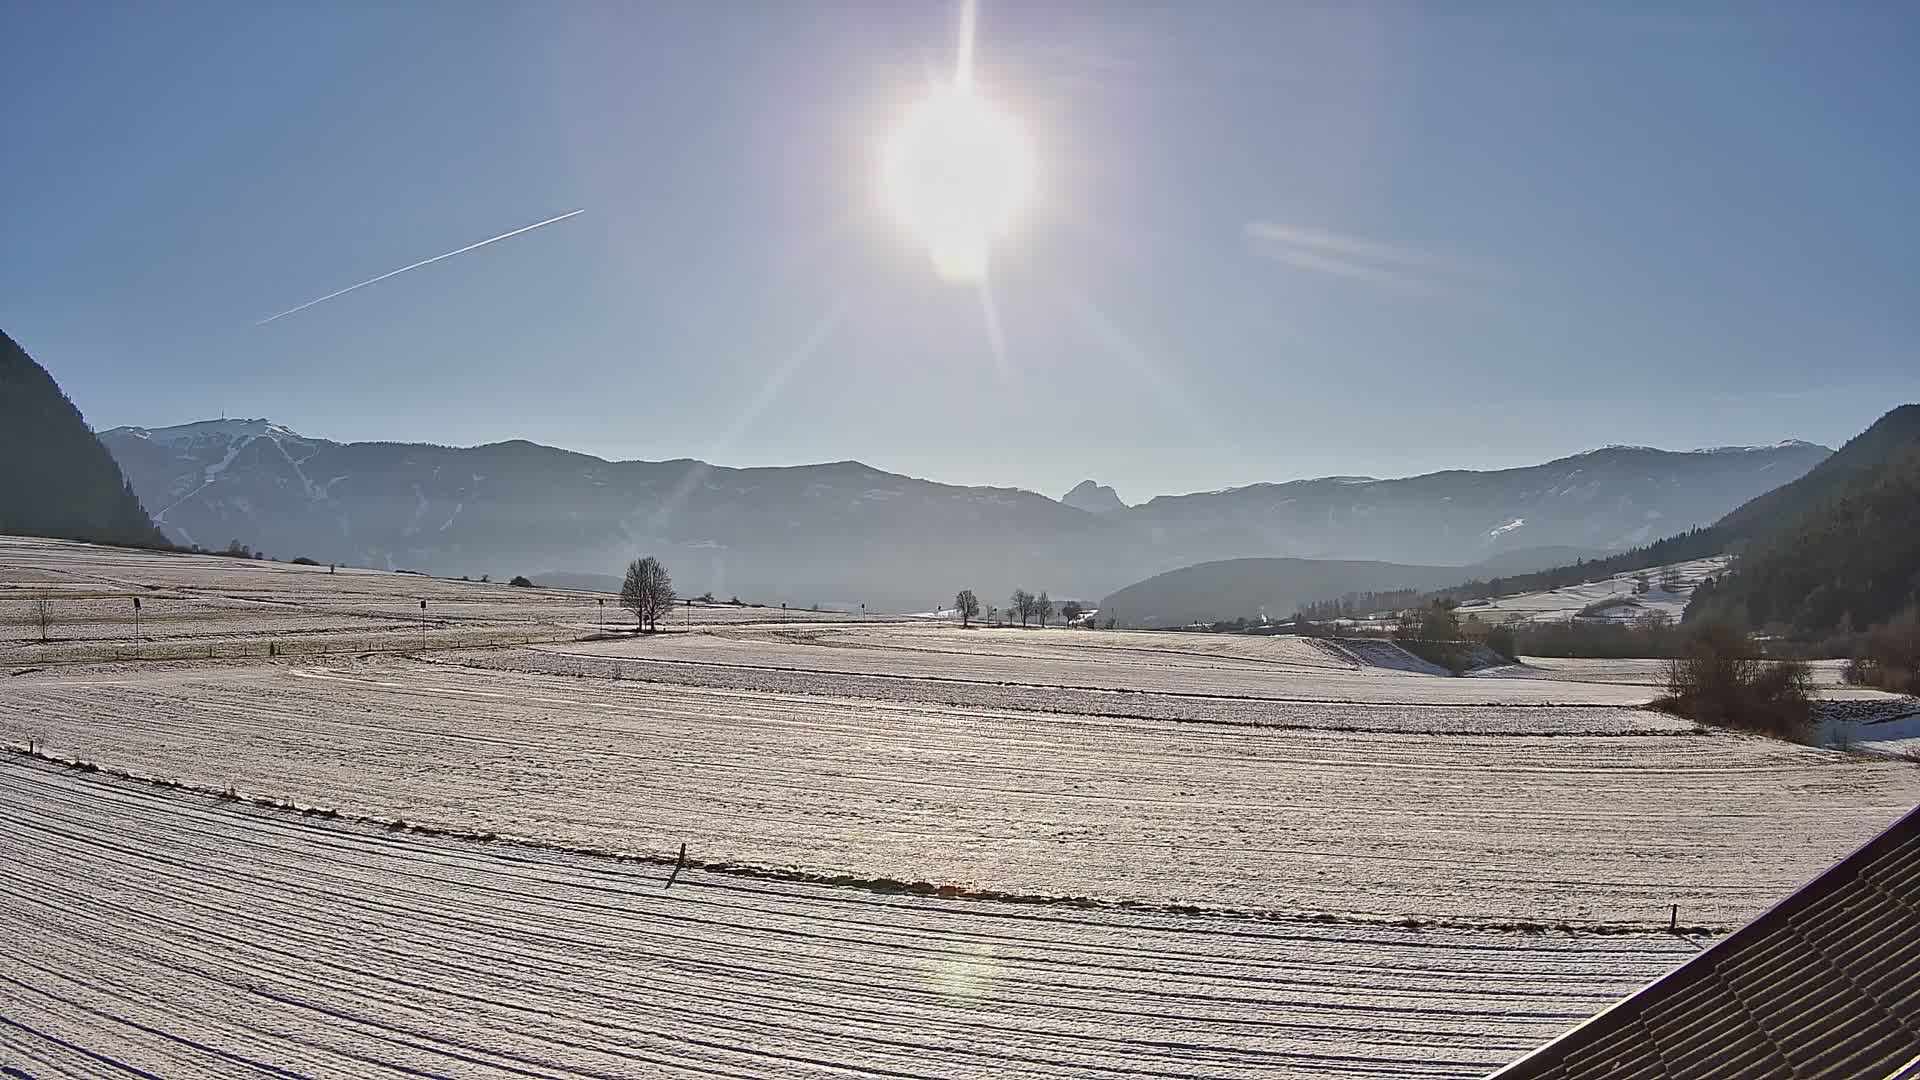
(957, 173)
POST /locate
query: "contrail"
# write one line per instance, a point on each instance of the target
(421, 263)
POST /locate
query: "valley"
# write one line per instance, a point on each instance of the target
(930, 851)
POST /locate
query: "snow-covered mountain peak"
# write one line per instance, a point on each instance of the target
(222, 430)
(1783, 444)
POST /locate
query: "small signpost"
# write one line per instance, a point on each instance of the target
(136, 618)
(423, 622)
(603, 616)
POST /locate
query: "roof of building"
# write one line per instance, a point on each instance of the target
(1825, 984)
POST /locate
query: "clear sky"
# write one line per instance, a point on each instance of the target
(1268, 241)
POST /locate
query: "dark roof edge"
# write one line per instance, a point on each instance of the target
(1806, 894)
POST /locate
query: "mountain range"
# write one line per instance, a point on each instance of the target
(844, 532)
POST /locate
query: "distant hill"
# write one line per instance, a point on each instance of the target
(845, 533)
(58, 480)
(1253, 588)
(1610, 499)
(1837, 549)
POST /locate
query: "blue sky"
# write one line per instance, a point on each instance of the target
(1269, 241)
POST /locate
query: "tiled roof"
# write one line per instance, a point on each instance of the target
(1825, 984)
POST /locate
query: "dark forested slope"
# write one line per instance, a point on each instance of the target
(1837, 550)
(57, 480)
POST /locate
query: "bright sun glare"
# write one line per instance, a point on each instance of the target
(957, 173)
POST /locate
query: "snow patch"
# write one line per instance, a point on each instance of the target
(211, 429)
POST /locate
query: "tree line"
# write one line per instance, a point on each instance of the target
(1023, 605)
(1355, 604)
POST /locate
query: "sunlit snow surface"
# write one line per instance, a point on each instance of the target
(1270, 810)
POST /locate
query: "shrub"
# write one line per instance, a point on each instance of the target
(1893, 650)
(521, 581)
(1435, 622)
(304, 561)
(1500, 639)
(1720, 679)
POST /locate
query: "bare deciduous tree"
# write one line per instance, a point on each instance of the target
(647, 591)
(43, 614)
(968, 605)
(1042, 609)
(1021, 604)
(1071, 611)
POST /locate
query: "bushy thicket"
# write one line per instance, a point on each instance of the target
(1656, 638)
(1888, 655)
(1720, 678)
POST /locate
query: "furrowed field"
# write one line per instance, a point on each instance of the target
(342, 849)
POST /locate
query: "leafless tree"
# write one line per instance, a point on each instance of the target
(647, 591)
(1021, 604)
(1042, 609)
(968, 605)
(43, 614)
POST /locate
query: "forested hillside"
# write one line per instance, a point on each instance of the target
(1839, 550)
(57, 479)
(1832, 552)
(1863, 457)
(1693, 544)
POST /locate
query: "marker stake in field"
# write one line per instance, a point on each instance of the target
(678, 866)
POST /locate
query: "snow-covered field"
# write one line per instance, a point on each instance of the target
(167, 932)
(1239, 856)
(239, 606)
(1559, 605)
(1542, 814)
(1294, 669)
